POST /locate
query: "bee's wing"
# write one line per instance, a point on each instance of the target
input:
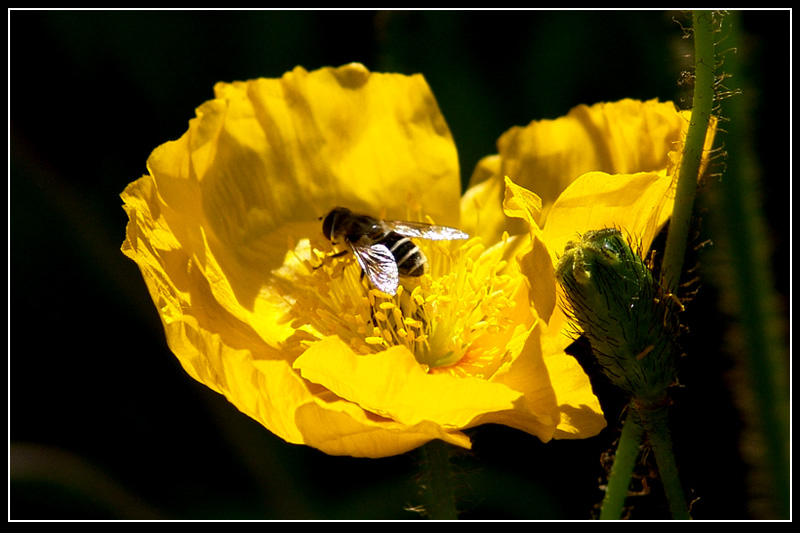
(378, 263)
(421, 230)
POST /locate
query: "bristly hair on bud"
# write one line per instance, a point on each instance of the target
(615, 301)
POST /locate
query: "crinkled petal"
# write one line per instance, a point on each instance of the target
(343, 428)
(519, 202)
(215, 348)
(579, 409)
(534, 260)
(393, 385)
(638, 204)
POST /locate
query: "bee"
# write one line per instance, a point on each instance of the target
(383, 248)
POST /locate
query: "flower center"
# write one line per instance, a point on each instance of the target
(439, 316)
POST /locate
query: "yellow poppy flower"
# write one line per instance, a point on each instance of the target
(225, 228)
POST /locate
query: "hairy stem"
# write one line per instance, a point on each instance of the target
(693, 149)
(620, 477)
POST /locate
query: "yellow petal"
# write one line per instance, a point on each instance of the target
(393, 385)
(341, 136)
(519, 202)
(213, 347)
(343, 428)
(537, 413)
(534, 260)
(638, 204)
(580, 414)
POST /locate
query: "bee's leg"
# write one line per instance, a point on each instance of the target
(372, 317)
(337, 254)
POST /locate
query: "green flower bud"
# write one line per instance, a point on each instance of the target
(618, 305)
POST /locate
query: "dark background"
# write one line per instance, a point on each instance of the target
(103, 422)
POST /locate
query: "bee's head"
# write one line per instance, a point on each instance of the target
(329, 221)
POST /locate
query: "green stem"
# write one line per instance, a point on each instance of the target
(693, 149)
(620, 477)
(437, 481)
(656, 427)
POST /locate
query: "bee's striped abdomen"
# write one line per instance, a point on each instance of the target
(409, 258)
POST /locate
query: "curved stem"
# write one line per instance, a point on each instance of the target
(620, 478)
(692, 151)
